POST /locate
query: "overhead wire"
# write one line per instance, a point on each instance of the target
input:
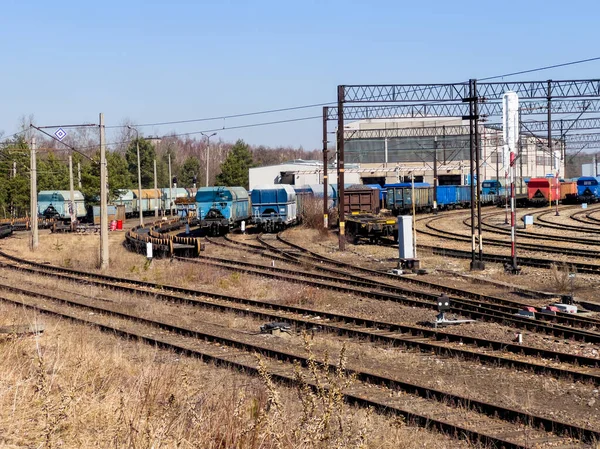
(230, 116)
(539, 69)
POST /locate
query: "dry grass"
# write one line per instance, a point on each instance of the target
(74, 387)
(559, 278)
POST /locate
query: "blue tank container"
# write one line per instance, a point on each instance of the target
(221, 209)
(273, 206)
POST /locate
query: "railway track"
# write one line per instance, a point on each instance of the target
(355, 326)
(521, 234)
(587, 214)
(487, 423)
(470, 306)
(581, 267)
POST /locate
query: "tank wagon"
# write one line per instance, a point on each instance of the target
(492, 187)
(221, 209)
(588, 189)
(55, 204)
(273, 207)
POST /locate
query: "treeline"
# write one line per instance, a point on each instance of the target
(228, 165)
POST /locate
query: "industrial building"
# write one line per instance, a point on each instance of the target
(299, 172)
(380, 151)
(392, 150)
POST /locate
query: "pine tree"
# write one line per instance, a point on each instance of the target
(14, 190)
(234, 170)
(147, 156)
(189, 170)
(119, 177)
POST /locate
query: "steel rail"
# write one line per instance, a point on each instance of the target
(351, 322)
(491, 410)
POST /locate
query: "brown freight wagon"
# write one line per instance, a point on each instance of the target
(361, 200)
(568, 192)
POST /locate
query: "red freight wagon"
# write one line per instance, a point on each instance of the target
(538, 190)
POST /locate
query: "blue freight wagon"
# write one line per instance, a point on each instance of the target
(273, 206)
(400, 199)
(588, 189)
(126, 198)
(446, 197)
(221, 209)
(169, 196)
(463, 196)
(308, 199)
(492, 187)
(57, 204)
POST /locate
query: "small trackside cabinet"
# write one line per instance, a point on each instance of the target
(405, 238)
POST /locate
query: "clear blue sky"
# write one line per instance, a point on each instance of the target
(150, 61)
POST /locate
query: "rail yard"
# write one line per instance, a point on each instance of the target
(504, 379)
(427, 279)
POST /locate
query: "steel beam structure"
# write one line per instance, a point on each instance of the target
(456, 92)
(463, 130)
(433, 110)
(468, 101)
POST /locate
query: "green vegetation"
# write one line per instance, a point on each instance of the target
(234, 171)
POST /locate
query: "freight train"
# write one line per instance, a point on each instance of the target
(274, 207)
(164, 200)
(541, 191)
(588, 189)
(57, 204)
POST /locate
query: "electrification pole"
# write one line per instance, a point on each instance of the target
(325, 179)
(79, 174)
(171, 187)
(155, 188)
(71, 190)
(34, 206)
(139, 170)
(104, 258)
(340, 147)
(480, 265)
(435, 174)
(208, 136)
(472, 173)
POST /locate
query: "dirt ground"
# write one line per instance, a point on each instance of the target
(574, 402)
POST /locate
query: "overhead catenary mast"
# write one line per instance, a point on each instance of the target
(510, 130)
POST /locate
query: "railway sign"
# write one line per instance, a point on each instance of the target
(60, 134)
(510, 125)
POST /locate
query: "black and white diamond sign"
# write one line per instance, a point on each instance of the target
(60, 134)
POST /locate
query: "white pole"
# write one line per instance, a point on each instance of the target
(386, 151)
(34, 205)
(104, 259)
(155, 188)
(170, 187)
(72, 211)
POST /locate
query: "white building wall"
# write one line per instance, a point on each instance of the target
(303, 174)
